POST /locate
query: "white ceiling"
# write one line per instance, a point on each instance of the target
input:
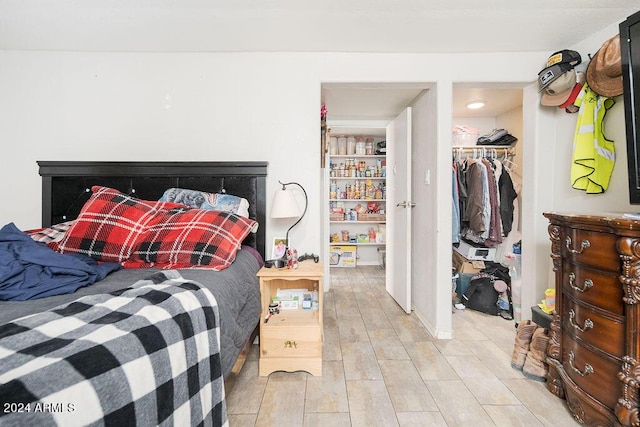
(367, 101)
(420, 26)
(305, 25)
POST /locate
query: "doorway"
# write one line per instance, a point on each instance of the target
(502, 110)
(381, 113)
(367, 107)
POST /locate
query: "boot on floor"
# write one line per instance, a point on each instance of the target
(525, 331)
(535, 366)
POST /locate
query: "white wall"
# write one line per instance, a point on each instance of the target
(616, 197)
(483, 124)
(234, 106)
(431, 299)
(192, 106)
(546, 175)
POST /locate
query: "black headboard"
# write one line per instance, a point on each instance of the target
(66, 185)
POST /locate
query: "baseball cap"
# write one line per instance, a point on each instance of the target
(550, 74)
(559, 90)
(558, 63)
(568, 104)
(564, 56)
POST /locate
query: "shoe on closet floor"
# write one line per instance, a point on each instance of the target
(524, 333)
(535, 366)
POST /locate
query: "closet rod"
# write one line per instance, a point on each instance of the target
(480, 149)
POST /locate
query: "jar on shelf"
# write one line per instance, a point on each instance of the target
(351, 145)
(369, 147)
(333, 145)
(342, 145)
(333, 190)
(360, 146)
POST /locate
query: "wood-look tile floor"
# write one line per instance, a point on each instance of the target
(382, 368)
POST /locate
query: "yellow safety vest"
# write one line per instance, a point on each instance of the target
(593, 154)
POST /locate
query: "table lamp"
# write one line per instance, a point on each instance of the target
(285, 206)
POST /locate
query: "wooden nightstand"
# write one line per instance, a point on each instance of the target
(292, 339)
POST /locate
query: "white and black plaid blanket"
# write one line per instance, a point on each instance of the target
(146, 355)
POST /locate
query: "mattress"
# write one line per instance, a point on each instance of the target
(235, 288)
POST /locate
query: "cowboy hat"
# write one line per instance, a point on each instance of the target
(604, 73)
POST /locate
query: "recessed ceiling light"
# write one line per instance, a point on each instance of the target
(474, 105)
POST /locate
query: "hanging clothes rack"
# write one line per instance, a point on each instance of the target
(505, 151)
(496, 152)
(471, 220)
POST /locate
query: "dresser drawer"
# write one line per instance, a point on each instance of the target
(596, 287)
(303, 341)
(590, 248)
(603, 332)
(596, 375)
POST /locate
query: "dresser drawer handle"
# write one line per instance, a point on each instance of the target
(584, 245)
(588, 324)
(290, 344)
(588, 283)
(588, 369)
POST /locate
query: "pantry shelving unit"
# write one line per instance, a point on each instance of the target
(366, 235)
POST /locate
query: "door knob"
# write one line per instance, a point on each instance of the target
(405, 204)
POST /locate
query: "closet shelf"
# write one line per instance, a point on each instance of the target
(347, 221)
(359, 156)
(358, 177)
(355, 244)
(357, 200)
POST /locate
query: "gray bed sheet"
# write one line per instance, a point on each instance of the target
(237, 291)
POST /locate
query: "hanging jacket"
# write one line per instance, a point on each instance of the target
(507, 195)
(495, 223)
(593, 154)
(455, 206)
(474, 213)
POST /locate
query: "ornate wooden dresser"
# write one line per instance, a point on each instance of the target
(594, 348)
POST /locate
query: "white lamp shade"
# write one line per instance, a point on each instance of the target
(284, 205)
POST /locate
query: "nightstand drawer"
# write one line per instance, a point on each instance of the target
(303, 341)
(291, 340)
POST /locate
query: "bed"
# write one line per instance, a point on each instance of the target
(232, 314)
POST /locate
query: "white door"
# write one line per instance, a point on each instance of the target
(398, 273)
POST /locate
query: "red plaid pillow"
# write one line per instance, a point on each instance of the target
(140, 233)
(193, 238)
(109, 224)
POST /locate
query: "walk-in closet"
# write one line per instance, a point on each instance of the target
(487, 187)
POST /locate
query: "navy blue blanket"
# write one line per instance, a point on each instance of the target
(31, 270)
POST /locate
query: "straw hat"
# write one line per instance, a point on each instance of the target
(604, 73)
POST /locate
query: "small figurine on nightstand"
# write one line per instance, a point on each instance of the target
(307, 256)
(292, 257)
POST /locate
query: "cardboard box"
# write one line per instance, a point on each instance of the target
(342, 256)
(362, 238)
(473, 253)
(464, 265)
